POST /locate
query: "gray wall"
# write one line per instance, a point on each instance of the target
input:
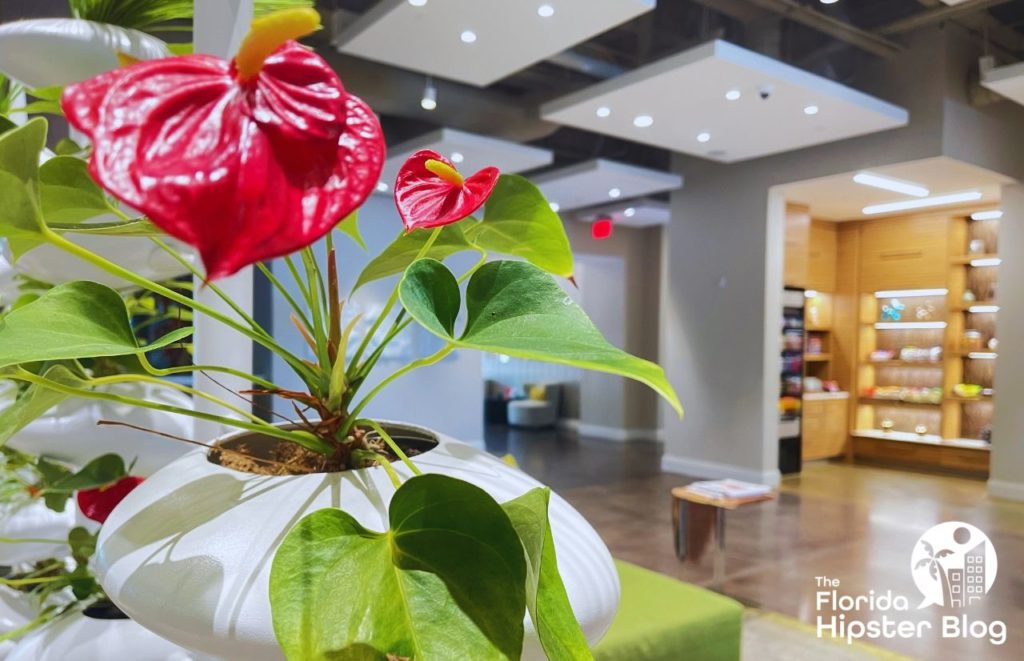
(722, 265)
(447, 396)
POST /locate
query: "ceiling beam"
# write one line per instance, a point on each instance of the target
(812, 18)
(988, 27)
(937, 15)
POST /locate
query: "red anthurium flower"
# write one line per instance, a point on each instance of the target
(430, 192)
(97, 504)
(245, 160)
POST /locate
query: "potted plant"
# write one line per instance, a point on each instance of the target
(329, 534)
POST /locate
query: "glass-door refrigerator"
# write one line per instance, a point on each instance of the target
(791, 382)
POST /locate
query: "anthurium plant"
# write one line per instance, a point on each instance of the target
(261, 157)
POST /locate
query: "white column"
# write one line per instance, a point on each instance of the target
(219, 28)
(1007, 473)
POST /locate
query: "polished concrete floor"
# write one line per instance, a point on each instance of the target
(853, 523)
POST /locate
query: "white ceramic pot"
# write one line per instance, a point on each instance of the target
(69, 432)
(12, 616)
(34, 521)
(188, 553)
(81, 638)
(46, 52)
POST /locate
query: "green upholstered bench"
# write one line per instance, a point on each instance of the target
(662, 619)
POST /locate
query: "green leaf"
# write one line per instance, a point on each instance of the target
(33, 402)
(403, 250)
(350, 225)
(67, 147)
(516, 309)
(52, 93)
(67, 192)
(41, 107)
(156, 14)
(82, 543)
(51, 471)
(445, 582)
(546, 599)
(20, 149)
(518, 221)
(74, 320)
(101, 471)
(136, 227)
(20, 222)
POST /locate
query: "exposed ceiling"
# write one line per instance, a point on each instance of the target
(631, 213)
(839, 198)
(599, 181)
(725, 103)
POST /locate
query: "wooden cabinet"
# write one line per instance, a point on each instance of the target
(910, 252)
(824, 426)
(798, 240)
(822, 253)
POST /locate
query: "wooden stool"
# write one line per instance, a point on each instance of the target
(695, 516)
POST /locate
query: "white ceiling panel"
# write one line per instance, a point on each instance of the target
(599, 181)
(724, 103)
(632, 213)
(473, 152)
(839, 198)
(479, 41)
(1006, 80)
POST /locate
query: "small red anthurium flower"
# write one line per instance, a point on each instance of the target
(246, 160)
(430, 192)
(97, 504)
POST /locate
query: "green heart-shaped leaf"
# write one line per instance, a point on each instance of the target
(349, 226)
(403, 250)
(68, 194)
(74, 320)
(34, 401)
(518, 221)
(516, 309)
(445, 582)
(20, 148)
(546, 599)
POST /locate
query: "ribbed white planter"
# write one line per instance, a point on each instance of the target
(69, 431)
(81, 638)
(34, 521)
(188, 553)
(46, 52)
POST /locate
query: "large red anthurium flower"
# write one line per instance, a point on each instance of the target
(97, 504)
(245, 160)
(430, 192)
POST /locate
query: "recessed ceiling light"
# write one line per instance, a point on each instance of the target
(994, 214)
(417, 3)
(614, 193)
(629, 212)
(603, 111)
(429, 100)
(642, 121)
(920, 203)
(733, 95)
(554, 206)
(468, 36)
(829, 2)
(457, 157)
(545, 11)
(703, 137)
(890, 183)
(810, 110)
(382, 187)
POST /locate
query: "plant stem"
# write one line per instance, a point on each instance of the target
(391, 443)
(416, 364)
(277, 284)
(92, 258)
(394, 297)
(31, 540)
(168, 371)
(142, 378)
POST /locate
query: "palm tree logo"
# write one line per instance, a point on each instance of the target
(936, 569)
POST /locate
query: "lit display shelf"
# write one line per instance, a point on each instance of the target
(926, 439)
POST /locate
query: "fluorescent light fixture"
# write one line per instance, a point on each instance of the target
(468, 36)
(811, 110)
(983, 309)
(642, 121)
(382, 187)
(909, 325)
(989, 261)
(417, 3)
(457, 157)
(429, 100)
(554, 206)
(994, 214)
(629, 212)
(910, 293)
(615, 193)
(891, 184)
(810, 293)
(703, 137)
(982, 355)
(920, 203)
(733, 95)
(545, 11)
(603, 112)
